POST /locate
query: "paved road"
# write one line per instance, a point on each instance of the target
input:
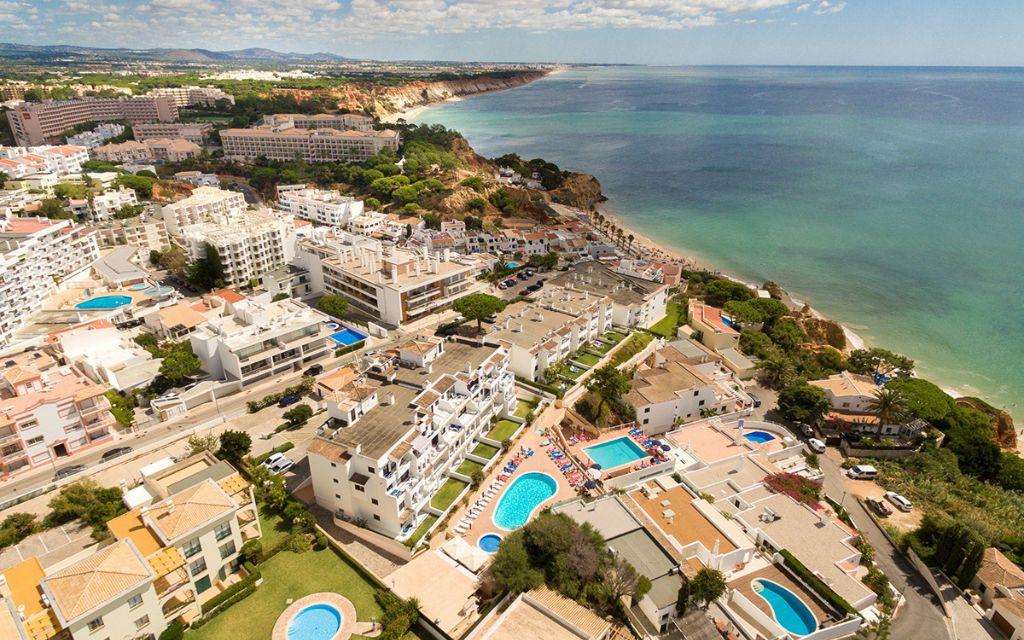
(920, 615)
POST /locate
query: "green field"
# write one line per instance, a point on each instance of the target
(421, 530)
(523, 408)
(484, 451)
(447, 494)
(503, 430)
(468, 467)
(587, 359)
(666, 327)
(635, 345)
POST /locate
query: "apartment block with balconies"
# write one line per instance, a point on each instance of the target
(35, 123)
(260, 340)
(206, 204)
(318, 205)
(248, 246)
(400, 422)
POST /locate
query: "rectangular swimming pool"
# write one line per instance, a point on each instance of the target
(615, 453)
(347, 337)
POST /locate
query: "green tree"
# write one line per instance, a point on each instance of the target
(477, 306)
(404, 195)
(54, 209)
(722, 290)
(476, 183)
(298, 415)
(889, 406)
(706, 587)
(207, 272)
(926, 400)
(876, 360)
(142, 185)
(178, 366)
(86, 500)
(512, 569)
(198, 444)
(804, 403)
(122, 407)
(609, 384)
(336, 306)
(787, 334)
(503, 201)
(234, 446)
(756, 343)
(543, 261)
(1011, 472)
(776, 371)
(476, 204)
(432, 221)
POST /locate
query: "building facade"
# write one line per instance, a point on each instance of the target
(312, 145)
(142, 232)
(194, 132)
(35, 123)
(318, 205)
(248, 247)
(206, 204)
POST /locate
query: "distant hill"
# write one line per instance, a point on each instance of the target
(61, 51)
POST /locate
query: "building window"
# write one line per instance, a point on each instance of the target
(32, 441)
(701, 403)
(134, 601)
(223, 531)
(338, 496)
(374, 501)
(95, 624)
(197, 567)
(360, 488)
(191, 548)
(647, 409)
(696, 392)
(376, 517)
(141, 622)
(227, 550)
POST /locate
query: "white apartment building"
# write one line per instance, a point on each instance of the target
(192, 95)
(557, 325)
(206, 204)
(48, 412)
(248, 247)
(107, 356)
(142, 232)
(339, 121)
(92, 139)
(198, 178)
(178, 547)
(312, 145)
(716, 331)
(104, 205)
(153, 149)
(60, 160)
(849, 392)
(395, 285)
(671, 388)
(260, 340)
(17, 200)
(400, 423)
(36, 254)
(194, 132)
(367, 223)
(318, 205)
(636, 302)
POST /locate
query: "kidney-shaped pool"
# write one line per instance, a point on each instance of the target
(521, 499)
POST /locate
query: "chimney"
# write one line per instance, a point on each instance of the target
(394, 272)
(170, 505)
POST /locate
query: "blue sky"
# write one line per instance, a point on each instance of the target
(877, 32)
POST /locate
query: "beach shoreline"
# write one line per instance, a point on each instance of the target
(693, 261)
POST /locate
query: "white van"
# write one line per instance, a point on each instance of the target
(899, 501)
(815, 445)
(862, 472)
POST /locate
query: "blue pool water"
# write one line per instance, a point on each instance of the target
(315, 622)
(347, 337)
(760, 437)
(489, 542)
(512, 265)
(615, 453)
(790, 611)
(138, 287)
(522, 497)
(104, 302)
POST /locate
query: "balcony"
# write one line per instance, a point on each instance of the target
(167, 584)
(180, 601)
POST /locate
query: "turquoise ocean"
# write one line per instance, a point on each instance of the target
(891, 199)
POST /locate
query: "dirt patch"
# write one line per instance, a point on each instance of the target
(864, 489)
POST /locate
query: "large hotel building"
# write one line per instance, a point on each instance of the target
(312, 145)
(36, 123)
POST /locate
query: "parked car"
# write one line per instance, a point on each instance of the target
(315, 370)
(899, 501)
(115, 453)
(67, 472)
(817, 446)
(755, 400)
(879, 507)
(806, 429)
(491, 319)
(852, 437)
(289, 400)
(278, 463)
(862, 472)
(503, 285)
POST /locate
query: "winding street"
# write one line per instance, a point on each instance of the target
(919, 616)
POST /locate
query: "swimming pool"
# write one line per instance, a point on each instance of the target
(615, 453)
(315, 622)
(489, 542)
(789, 610)
(347, 337)
(760, 437)
(138, 286)
(521, 499)
(104, 302)
(513, 265)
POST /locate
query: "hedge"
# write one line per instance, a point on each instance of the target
(349, 349)
(836, 601)
(249, 582)
(246, 589)
(300, 389)
(287, 446)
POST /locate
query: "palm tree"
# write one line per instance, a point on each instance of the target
(776, 371)
(889, 406)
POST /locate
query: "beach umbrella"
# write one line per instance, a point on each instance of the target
(665, 447)
(590, 484)
(595, 466)
(595, 473)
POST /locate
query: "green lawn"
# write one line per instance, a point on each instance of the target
(635, 345)
(600, 347)
(447, 494)
(468, 467)
(274, 529)
(290, 576)
(588, 359)
(421, 530)
(666, 327)
(523, 408)
(504, 429)
(614, 336)
(485, 451)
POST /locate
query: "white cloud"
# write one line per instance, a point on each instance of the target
(231, 23)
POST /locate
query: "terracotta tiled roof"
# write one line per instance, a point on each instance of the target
(996, 568)
(188, 509)
(88, 584)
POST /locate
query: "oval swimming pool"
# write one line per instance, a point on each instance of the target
(790, 611)
(104, 302)
(315, 622)
(521, 499)
(760, 437)
(489, 542)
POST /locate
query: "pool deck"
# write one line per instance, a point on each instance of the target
(539, 462)
(744, 585)
(341, 603)
(577, 449)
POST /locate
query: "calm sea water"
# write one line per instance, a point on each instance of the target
(891, 199)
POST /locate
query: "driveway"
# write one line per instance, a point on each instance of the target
(920, 615)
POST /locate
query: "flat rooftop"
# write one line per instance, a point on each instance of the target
(729, 477)
(382, 427)
(686, 524)
(709, 444)
(640, 550)
(456, 358)
(607, 515)
(528, 326)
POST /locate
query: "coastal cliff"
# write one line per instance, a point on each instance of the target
(384, 100)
